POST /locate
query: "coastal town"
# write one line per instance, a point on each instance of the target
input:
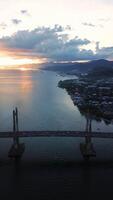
(91, 96)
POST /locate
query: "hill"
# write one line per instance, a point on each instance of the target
(101, 72)
(77, 67)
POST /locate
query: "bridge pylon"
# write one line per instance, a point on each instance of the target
(17, 148)
(87, 148)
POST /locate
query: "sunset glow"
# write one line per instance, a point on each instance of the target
(72, 30)
(10, 63)
(23, 69)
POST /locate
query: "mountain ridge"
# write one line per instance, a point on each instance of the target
(78, 67)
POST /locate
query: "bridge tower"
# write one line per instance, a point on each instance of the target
(87, 148)
(17, 148)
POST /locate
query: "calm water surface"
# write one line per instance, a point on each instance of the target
(42, 105)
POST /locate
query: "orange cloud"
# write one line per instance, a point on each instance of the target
(13, 56)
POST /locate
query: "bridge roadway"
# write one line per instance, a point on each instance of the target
(55, 134)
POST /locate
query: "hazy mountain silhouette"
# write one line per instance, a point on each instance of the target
(77, 67)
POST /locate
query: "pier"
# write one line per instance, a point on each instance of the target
(87, 148)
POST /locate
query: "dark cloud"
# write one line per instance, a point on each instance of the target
(68, 27)
(105, 52)
(25, 12)
(92, 25)
(53, 44)
(88, 24)
(16, 21)
(58, 28)
(97, 46)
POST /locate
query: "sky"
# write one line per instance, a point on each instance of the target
(36, 31)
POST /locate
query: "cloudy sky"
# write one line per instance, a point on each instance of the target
(34, 31)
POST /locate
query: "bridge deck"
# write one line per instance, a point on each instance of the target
(56, 134)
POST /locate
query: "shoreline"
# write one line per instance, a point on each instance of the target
(94, 99)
